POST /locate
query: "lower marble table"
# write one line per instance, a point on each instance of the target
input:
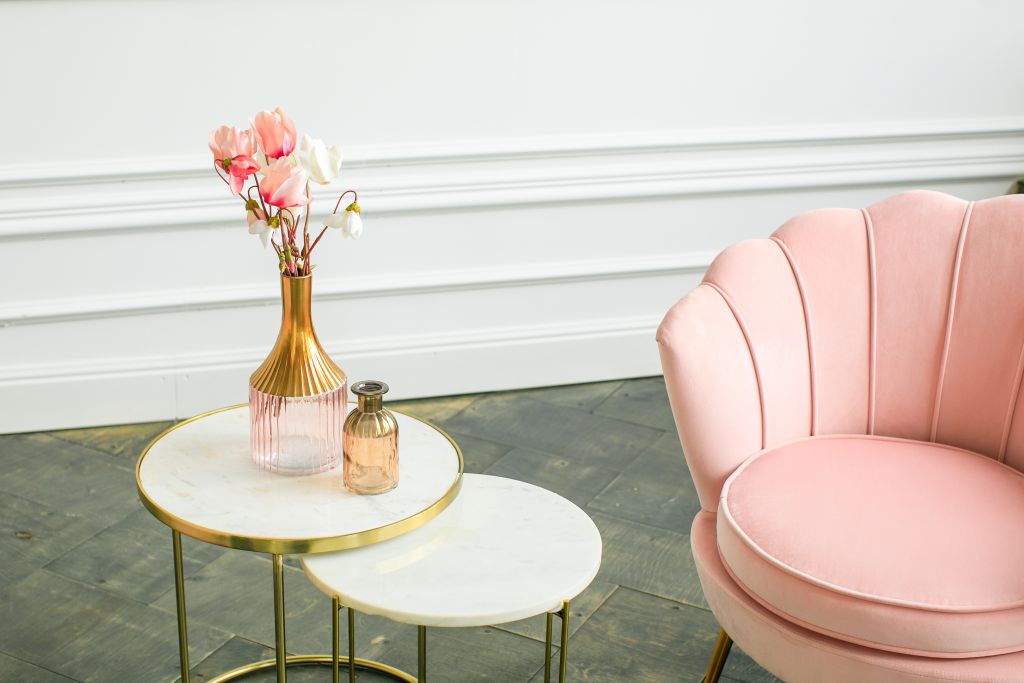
(198, 479)
(504, 550)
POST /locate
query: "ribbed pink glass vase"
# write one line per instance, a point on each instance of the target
(298, 397)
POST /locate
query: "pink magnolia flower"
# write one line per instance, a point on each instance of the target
(240, 168)
(227, 143)
(284, 185)
(276, 133)
(233, 150)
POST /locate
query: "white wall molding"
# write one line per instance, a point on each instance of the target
(470, 151)
(141, 194)
(330, 289)
(351, 351)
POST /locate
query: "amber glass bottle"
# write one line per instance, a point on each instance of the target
(371, 442)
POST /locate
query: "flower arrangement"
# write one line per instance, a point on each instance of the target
(281, 174)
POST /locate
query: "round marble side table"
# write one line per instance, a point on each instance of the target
(504, 550)
(198, 478)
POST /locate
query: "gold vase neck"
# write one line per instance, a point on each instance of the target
(297, 365)
(297, 305)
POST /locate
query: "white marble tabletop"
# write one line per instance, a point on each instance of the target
(200, 479)
(504, 550)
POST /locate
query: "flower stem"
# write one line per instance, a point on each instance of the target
(317, 240)
(355, 198)
(306, 269)
(216, 168)
(259, 194)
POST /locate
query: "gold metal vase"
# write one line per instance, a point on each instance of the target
(298, 397)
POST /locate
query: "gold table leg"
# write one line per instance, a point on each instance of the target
(351, 645)
(336, 637)
(281, 660)
(335, 627)
(279, 637)
(718, 657)
(179, 594)
(547, 649)
(421, 654)
(563, 655)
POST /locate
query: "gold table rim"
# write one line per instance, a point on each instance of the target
(292, 546)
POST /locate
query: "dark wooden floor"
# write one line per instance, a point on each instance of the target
(86, 584)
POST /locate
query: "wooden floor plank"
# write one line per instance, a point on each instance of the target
(640, 401)
(656, 489)
(576, 481)
(12, 669)
(648, 559)
(124, 442)
(567, 432)
(133, 558)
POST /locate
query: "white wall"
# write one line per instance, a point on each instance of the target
(540, 180)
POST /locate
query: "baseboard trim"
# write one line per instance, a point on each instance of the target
(58, 396)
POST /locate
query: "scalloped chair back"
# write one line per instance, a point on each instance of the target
(904, 319)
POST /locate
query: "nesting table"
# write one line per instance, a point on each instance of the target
(424, 553)
(504, 550)
(198, 479)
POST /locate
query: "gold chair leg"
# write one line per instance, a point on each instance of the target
(718, 657)
(279, 640)
(179, 594)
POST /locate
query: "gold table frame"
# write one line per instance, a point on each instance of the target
(421, 645)
(277, 548)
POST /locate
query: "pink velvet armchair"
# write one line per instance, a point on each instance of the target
(847, 393)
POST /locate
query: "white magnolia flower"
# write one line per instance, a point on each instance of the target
(261, 228)
(257, 221)
(350, 221)
(353, 224)
(322, 164)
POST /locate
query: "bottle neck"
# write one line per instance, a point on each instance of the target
(371, 404)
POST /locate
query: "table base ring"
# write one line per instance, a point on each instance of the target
(312, 660)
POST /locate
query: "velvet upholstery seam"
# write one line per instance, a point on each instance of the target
(857, 640)
(753, 356)
(808, 329)
(872, 317)
(954, 282)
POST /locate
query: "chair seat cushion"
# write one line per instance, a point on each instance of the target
(900, 545)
